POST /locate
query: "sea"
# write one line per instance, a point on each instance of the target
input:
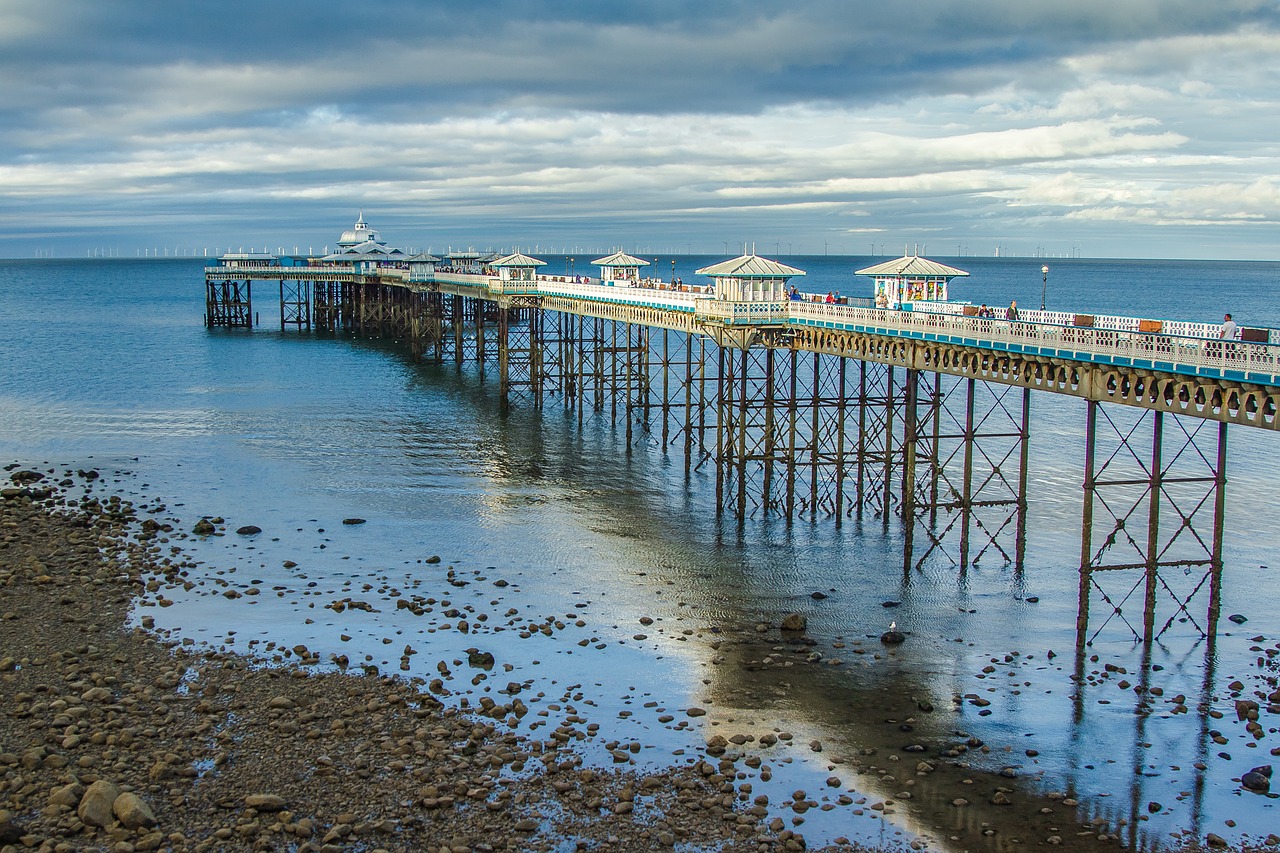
(603, 580)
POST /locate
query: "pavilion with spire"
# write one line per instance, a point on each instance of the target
(363, 247)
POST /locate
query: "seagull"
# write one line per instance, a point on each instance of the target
(893, 636)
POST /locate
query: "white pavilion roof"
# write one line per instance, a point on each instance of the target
(750, 266)
(912, 266)
(620, 259)
(516, 259)
(369, 250)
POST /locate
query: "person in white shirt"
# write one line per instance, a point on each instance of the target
(1229, 329)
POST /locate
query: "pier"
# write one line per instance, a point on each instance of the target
(807, 409)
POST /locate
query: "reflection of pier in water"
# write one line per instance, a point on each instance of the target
(807, 411)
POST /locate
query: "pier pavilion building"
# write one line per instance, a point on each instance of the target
(620, 268)
(517, 267)
(909, 279)
(751, 278)
(365, 250)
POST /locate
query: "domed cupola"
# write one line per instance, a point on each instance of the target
(360, 234)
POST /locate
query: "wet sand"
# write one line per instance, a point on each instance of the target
(225, 755)
(119, 739)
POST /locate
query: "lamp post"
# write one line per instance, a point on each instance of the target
(570, 267)
(673, 272)
(1044, 285)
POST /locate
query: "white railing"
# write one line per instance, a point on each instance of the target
(1167, 351)
(674, 300)
(469, 279)
(745, 312)
(276, 269)
(1177, 328)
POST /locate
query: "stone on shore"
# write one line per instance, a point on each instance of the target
(794, 622)
(95, 806)
(265, 802)
(132, 811)
(10, 832)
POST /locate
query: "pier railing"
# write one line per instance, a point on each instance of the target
(1179, 328)
(1246, 361)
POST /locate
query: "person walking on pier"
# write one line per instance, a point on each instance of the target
(1011, 313)
(1229, 329)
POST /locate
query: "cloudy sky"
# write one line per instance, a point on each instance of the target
(1121, 128)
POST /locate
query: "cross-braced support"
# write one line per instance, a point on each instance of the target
(680, 382)
(1152, 525)
(331, 306)
(748, 441)
(880, 452)
(529, 353)
(969, 450)
(229, 303)
(295, 304)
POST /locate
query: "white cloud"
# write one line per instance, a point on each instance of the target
(1027, 114)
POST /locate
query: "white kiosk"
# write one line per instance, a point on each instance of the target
(620, 269)
(422, 267)
(750, 278)
(517, 267)
(909, 279)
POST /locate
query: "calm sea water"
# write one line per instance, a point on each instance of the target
(107, 364)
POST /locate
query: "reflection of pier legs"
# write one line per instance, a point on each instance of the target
(1126, 554)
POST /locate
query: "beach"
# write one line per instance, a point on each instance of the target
(210, 751)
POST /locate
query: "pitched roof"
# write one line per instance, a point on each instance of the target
(369, 250)
(750, 266)
(516, 259)
(424, 257)
(620, 259)
(911, 266)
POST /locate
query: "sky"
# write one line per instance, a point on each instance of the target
(1092, 128)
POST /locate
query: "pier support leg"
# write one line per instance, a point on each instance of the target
(229, 304)
(459, 318)
(1152, 521)
(295, 304)
(970, 442)
(504, 355)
